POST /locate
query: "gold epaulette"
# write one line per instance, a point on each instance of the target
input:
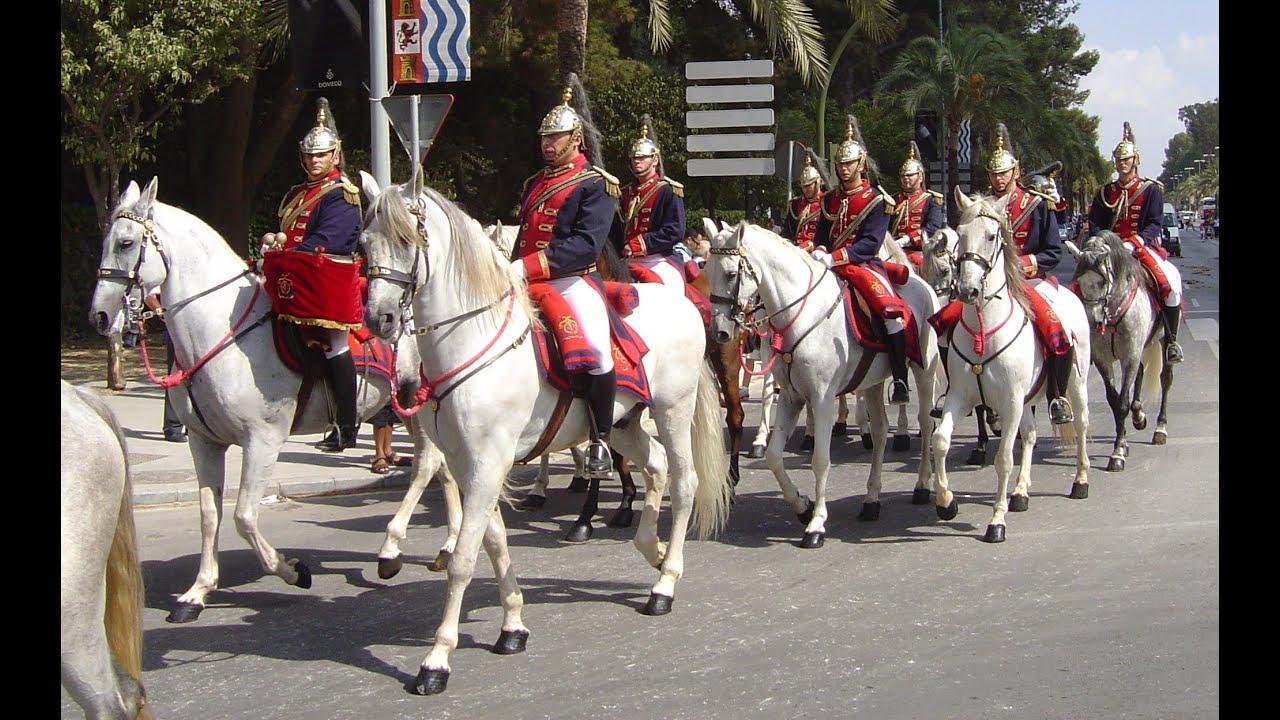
(889, 202)
(1157, 182)
(350, 192)
(610, 182)
(676, 187)
(936, 195)
(1030, 191)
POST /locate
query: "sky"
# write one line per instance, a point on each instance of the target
(1156, 56)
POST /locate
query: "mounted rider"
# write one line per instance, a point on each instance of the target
(651, 221)
(1131, 206)
(919, 212)
(1035, 236)
(1044, 181)
(565, 213)
(322, 215)
(801, 221)
(851, 229)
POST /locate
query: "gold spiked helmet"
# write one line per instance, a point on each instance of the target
(851, 149)
(1127, 148)
(1001, 159)
(562, 117)
(644, 146)
(323, 136)
(912, 166)
(809, 173)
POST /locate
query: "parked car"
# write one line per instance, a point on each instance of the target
(1172, 238)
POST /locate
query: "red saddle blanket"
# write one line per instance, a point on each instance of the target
(645, 275)
(312, 288)
(872, 335)
(561, 353)
(370, 354)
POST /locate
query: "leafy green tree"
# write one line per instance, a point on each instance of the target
(128, 65)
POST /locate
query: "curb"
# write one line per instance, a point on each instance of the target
(171, 493)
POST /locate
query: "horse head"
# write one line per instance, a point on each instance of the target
(132, 263)
(938, 265)
(1103, 269)
(394, 244)
(732, 280)
(984, 236)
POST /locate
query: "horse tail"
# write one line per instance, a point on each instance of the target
(710, 461)
(1152, 367)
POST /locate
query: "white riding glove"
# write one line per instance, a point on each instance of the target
(823, 257)
(516, 268)
(904, 241)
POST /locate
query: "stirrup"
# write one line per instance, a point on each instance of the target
(599, 461)
(936, 412)
(1173, 353)
(1060, 411)
(900, 394)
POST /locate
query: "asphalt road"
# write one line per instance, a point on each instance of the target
(1101, 608)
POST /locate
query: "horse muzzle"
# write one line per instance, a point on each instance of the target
(385, 325)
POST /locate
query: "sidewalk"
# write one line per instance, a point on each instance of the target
(163, 471)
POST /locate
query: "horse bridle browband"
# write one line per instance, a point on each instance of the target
(983, 263)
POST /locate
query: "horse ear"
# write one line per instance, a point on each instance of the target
(724, 226)
(1003, 203)
(148, 198)
(1071, 247)
(962, 200)
(709, 228)
(369, 184)
(129, 196)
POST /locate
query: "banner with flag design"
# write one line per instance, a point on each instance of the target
(430, 41)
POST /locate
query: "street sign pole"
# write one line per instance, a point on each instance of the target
(379, 125)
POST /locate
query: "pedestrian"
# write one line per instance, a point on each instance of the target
(172, 426)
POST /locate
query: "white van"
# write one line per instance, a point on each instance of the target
(1171, 238)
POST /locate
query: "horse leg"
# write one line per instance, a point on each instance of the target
(979, 454)
(537, 495)
(579, 482)
(623, 516)
(675, 431)
(643, 451)
(788, 415)
(726, 358)
(1079, 390)
(925, 388)
(95, 680)
(582, 530)
(210, 460)
(1021, 498)
(1119, 402)
(482, 478)
(427, 460)
(944, 501)
(1139, 417)
(902, 431)
(1011, 416)
(259, 459)
(1161, 435)
(767, 400)
(807, 444)
(864, 417)
(842, 417)
(815, 530)
(873, 401)
(514, 634)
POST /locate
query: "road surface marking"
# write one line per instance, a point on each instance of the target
(1195, 302)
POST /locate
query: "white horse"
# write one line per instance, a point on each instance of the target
(238, 391)
(1130, 330)
(1000, 371)
(819, 360)
(494, 408)
(102, 593)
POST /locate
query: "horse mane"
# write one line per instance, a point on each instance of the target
(1123, 265)
(1012, 266)
(787, 245)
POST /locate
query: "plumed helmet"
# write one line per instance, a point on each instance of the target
(852, 148)
(1043, 180)
(1127, 148)
(645, 145)
(1001, 158)
(323, 136)
(809, 173)
(562, 117)
(912, 165)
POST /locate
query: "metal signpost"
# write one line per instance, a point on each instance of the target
(715, 92)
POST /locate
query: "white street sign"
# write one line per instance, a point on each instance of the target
(728, 69)
(729, 167)
(731, 141)
(728, 118)
(694, 94)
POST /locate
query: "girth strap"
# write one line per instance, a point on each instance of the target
(552, 427)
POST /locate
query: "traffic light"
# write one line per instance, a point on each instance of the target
(328, 42)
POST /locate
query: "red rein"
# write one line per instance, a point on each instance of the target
(980, 336)
(184, 375)
(775, 342)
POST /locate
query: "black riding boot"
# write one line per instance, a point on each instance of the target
(900, 394)
(341, 372)
(601, 390)
(1172, 319)
(1059, 376)
(936, 412)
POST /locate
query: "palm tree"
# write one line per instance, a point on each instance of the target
(974, 74)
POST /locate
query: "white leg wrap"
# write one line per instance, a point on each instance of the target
(1175, 283)
(337, 343)
(589, 307)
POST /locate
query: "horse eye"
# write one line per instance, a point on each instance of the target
(126, 242)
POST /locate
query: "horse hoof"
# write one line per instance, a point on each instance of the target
(430, 682)
(389, 567)
(580, 533)
(1018, 503)
(184, 612)
(870, 512)
(578, 484)
(1139, 423)
(920, 496)
(658, 604)
(840, 428)
(1079, 491)
(995, 534)
(866, 441)
(1116, 464)
(441, 563)
(807, 445)
(812, 540)
(622, 518)
(304, 575)
(977, 457)
(511, 642)
(1160, 438)
(807, 515)
(949, 512)
(532, 502)
(901, 442)
(757, 452)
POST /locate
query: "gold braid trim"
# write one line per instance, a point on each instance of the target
(320, 322)
(676, 187)
(611, 185)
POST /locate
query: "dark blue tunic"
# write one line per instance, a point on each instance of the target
(334, 225)
(666, 225)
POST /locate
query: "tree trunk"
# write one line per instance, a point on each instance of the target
(571, 31)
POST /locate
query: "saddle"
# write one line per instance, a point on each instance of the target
(300, 348)
(871, 335)
(700, 301)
